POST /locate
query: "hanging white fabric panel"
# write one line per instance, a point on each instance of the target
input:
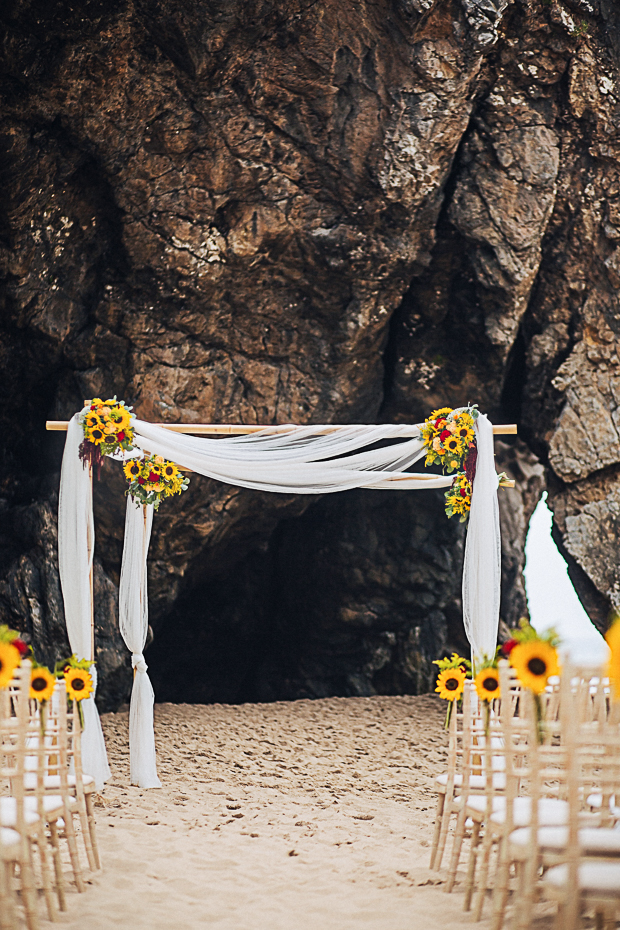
(134, 621)
(482, 563)
(76, 543)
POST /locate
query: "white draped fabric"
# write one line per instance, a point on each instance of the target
(133, 613)
(482, 563)
(300, 461)
(288, 460)
(76, 544)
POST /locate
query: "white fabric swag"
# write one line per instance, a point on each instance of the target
(288, 460)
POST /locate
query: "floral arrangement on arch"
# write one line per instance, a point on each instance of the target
(108, 430)
(152, 479)
(449, 437)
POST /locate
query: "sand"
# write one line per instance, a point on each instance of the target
(306, 815)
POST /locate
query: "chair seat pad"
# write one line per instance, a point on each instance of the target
(8, 813)
(8, 838)
(593, 841)
(595, 877)
(52, 782)
(478, 802)
(552, 812)
(475, 781)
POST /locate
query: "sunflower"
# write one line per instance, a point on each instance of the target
(534, 662)
(169, 471)
(42, 683)
(92, 419)
(121, 417)
(464, 433)
(450, 683)
(458, 505)
(453, 445)
(78, 683)
(444, 411)
(132, 469)
(96, 436)
(110, 439)
(613, 669)
(487, 684)
(9, 660)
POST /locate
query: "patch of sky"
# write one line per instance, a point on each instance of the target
(552, 599)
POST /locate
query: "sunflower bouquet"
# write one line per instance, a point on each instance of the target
(152, 479)
(448, 435)
(535, 660)
(453, 672)
(78, 680)
(107, 429)
(12, 650)
(458, 497)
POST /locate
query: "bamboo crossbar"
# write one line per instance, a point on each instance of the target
(241, 429)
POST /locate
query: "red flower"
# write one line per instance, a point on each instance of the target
(463, 492)
(439, 421)
(21, 647)
(153, 478)
(121, 436)
(141, 480)
(445, 434)
(509, 646)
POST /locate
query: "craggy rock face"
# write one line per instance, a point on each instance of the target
(259, 212)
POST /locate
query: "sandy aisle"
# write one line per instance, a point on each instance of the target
(310, 815)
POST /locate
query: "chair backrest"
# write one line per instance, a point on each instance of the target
(16, 733)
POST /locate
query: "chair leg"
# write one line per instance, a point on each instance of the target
(8, 915)
(441, 801)
(457, 844)
(86, 837)
(483, 876)
(526, 898)
(443, 836)
(46, 875)
(471, 865)
(73, 852)
(92, 829)
(29, 894)
(60, 876)
(500, 891)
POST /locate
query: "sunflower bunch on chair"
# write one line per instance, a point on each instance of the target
(453, 673)
(78, 680)
(487, 685)
(12, 650)
(534, 659)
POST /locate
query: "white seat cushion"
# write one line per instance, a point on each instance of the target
(478, 802)
(592, 840)
(551, 812)
(475, 781)
(52, 782)
(8, 838)
(8, 813)
(8, 808)
(595, 877)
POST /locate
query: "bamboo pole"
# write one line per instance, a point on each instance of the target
(241, 429)
(92, 583)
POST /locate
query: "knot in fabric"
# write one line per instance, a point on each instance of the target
(137, 662)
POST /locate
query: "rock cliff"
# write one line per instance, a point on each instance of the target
(314, 212)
